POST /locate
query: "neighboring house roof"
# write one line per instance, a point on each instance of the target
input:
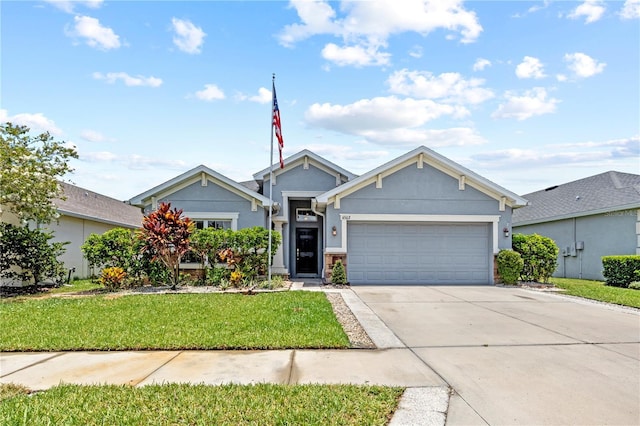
(85, 204)
(296, 159)
(175, 184)
(606, 192)
(431, 158)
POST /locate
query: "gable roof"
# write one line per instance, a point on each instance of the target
(431, 158)
(176, 183)
(85, 204)
(605, 192)
(297, 159)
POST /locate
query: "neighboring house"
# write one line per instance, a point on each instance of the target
(418, 219)
(588, 218)
(85, 212)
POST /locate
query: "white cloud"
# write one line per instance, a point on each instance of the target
(589, 153)
(435, 138)
(583, 65)
(344, 152)
(592, 10)
(128, 80)
(382, 120)
(264, 96)
(94, 33)
(530, 67)
(188, 37)
(533, 102)
(359, 55)
(69, 5)
(37, 121)
(416, 52)
(93, 136)
(561, 77)
(365, 26)
(211, 92)
(480, 64)
(630, 10)
(450, 87)
(131, 161)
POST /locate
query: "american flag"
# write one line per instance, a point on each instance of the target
(277, 125)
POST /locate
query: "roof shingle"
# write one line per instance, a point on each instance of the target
(609, 191)
(87, 204)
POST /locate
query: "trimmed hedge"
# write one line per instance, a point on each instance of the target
(510, 266)
(620, 271)
(540, 256)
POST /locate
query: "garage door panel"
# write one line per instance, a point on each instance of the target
(410, 253)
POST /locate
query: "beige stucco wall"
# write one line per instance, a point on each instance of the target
(76, 231)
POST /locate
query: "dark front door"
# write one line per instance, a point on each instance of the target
(306, 251)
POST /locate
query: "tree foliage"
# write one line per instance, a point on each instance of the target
(540, 256)
(165, 234)
(339, 274)
(28, 256)
(30, 167)
(118, 247)
(510, 265)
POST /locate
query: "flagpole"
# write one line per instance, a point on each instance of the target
(273, 82)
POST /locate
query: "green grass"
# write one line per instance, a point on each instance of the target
(171, 321)
(174, 404)
(596, 290)
(76, 286)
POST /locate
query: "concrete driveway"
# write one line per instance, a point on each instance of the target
(514, 356)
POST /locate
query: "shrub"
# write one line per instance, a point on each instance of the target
(113, 278)
(539, 254)
(118, 247)
(338, 275)
(510, 265)
(635, 285)
(28, 256)
(619, 271)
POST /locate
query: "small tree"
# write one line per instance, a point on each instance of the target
(27, 255)
(166, 237)
(339, 274)
(540, 256)
(30, 167)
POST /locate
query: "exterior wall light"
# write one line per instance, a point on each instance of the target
(506, 231)
(334, 231)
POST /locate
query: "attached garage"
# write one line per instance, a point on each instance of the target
(419, 253)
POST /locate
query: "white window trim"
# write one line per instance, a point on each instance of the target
(456, 218)
(232, 216)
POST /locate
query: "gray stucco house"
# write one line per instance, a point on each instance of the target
(588, 218)
(418, 219)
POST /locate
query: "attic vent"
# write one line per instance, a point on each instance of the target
(551, 188)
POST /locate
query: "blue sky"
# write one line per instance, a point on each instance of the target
(527, 94)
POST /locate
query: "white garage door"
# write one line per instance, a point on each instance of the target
(410, 253)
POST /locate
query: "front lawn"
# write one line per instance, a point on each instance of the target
(173, 404)
(171, 321)
(596, 290)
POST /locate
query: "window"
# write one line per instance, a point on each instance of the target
(217, 224)
(305, 215)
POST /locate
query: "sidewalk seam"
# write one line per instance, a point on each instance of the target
(132, 383)
(35, 363)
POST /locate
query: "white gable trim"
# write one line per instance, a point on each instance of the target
(420, 156)
(423, 218)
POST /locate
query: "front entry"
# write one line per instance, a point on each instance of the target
(306, 251)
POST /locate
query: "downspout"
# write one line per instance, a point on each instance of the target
(314, 205)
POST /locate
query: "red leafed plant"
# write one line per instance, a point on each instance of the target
(166, 235)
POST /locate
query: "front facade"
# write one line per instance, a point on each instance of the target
(588, 218)
(419, 219)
